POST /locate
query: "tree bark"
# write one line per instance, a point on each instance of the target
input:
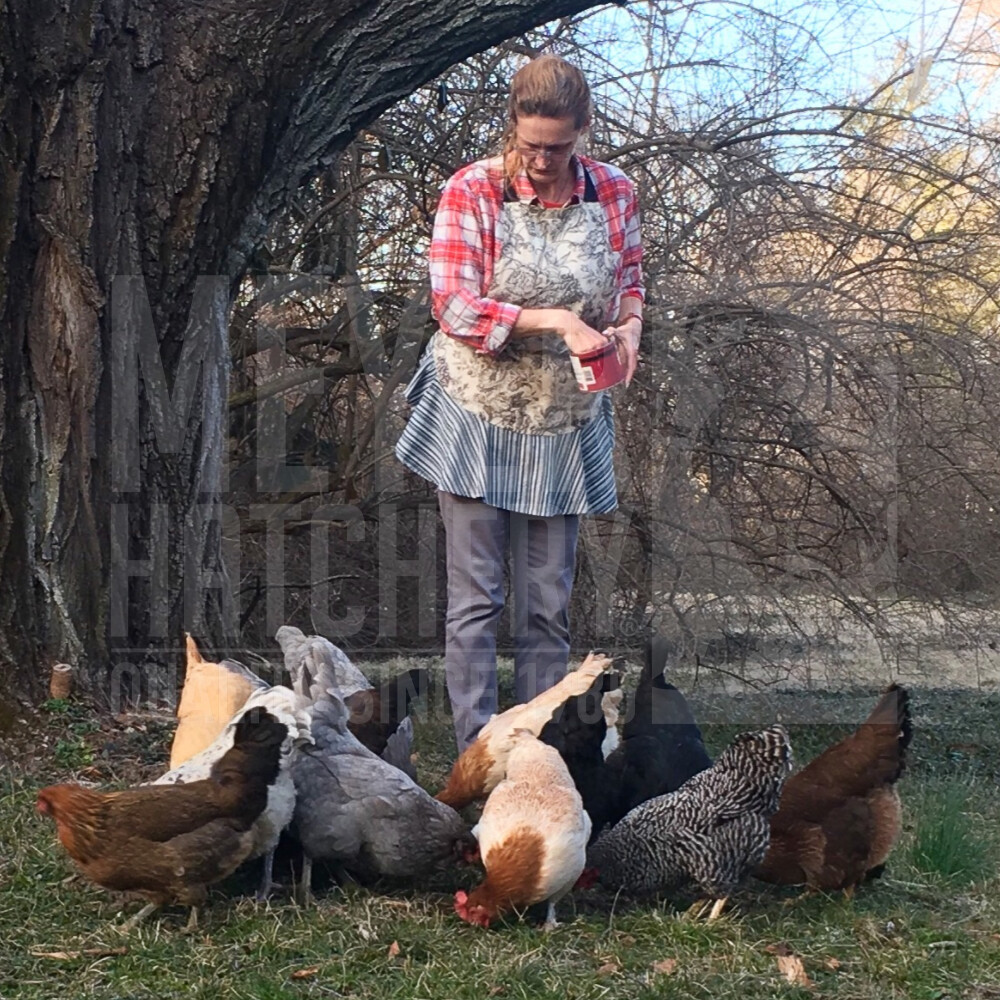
(145, 145)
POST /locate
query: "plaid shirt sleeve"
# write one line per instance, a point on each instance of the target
(631, 283)
(461, 263)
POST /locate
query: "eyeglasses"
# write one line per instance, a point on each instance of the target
(557, 151)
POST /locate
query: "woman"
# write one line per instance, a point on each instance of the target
(535, 254)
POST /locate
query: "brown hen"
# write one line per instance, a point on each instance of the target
(840, 815)
(168, 842)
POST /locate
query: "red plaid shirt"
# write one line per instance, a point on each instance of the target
(465, 246)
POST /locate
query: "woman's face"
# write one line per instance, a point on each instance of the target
(546, 145)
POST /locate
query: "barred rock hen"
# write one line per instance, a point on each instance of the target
(532, 836)
(712, 831)
(840, 815)
(482, 764)
(167, 843)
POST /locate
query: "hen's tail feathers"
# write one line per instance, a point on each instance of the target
(891, 726)
(580, 724)
(397, 694)
(399, 746)
(655, 702)
(329, 716)
(658, 651)
(770, 746)
(256, 749)
(194, 659)
(235, 667)
(315, 664)
(259, 730)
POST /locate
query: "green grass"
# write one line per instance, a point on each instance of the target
(927, 930)
(952, 838)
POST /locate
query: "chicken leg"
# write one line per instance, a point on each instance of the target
(303, 889)
(138, 918)
(266, 880)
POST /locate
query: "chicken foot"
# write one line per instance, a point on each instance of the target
(302, 892)
(696, 909)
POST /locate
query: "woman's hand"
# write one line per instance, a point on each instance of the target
(579, 337)
(626, 337)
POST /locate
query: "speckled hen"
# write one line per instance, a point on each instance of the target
(712, 831)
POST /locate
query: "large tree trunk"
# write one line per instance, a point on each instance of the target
(144, 147)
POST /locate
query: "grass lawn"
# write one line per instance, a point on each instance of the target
(929, 930)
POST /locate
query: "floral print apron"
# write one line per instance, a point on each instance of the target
(549, 258)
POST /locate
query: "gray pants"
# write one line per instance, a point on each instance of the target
(542, 557)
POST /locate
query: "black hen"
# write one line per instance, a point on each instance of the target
(661, 745)
(577, 731)
(376, 713)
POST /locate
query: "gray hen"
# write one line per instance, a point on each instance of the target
(315, 665)
(360, 812)
(712, 831)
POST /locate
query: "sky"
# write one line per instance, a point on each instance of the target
(816, 48)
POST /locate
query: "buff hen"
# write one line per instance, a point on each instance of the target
(532, 836)
(212, 694)
(482, 765)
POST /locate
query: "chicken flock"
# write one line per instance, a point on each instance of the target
(567, 800)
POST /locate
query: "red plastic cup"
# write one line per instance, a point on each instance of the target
(598, 369)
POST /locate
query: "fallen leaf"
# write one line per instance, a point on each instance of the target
(394, 949)
(781, 948)
(305, 973)
(667, 967)
(833, 963)
(66, 956)
(609, 968)
(794, 971)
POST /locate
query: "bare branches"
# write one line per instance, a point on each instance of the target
(816, 413)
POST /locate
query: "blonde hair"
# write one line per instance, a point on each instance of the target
(548, 87)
